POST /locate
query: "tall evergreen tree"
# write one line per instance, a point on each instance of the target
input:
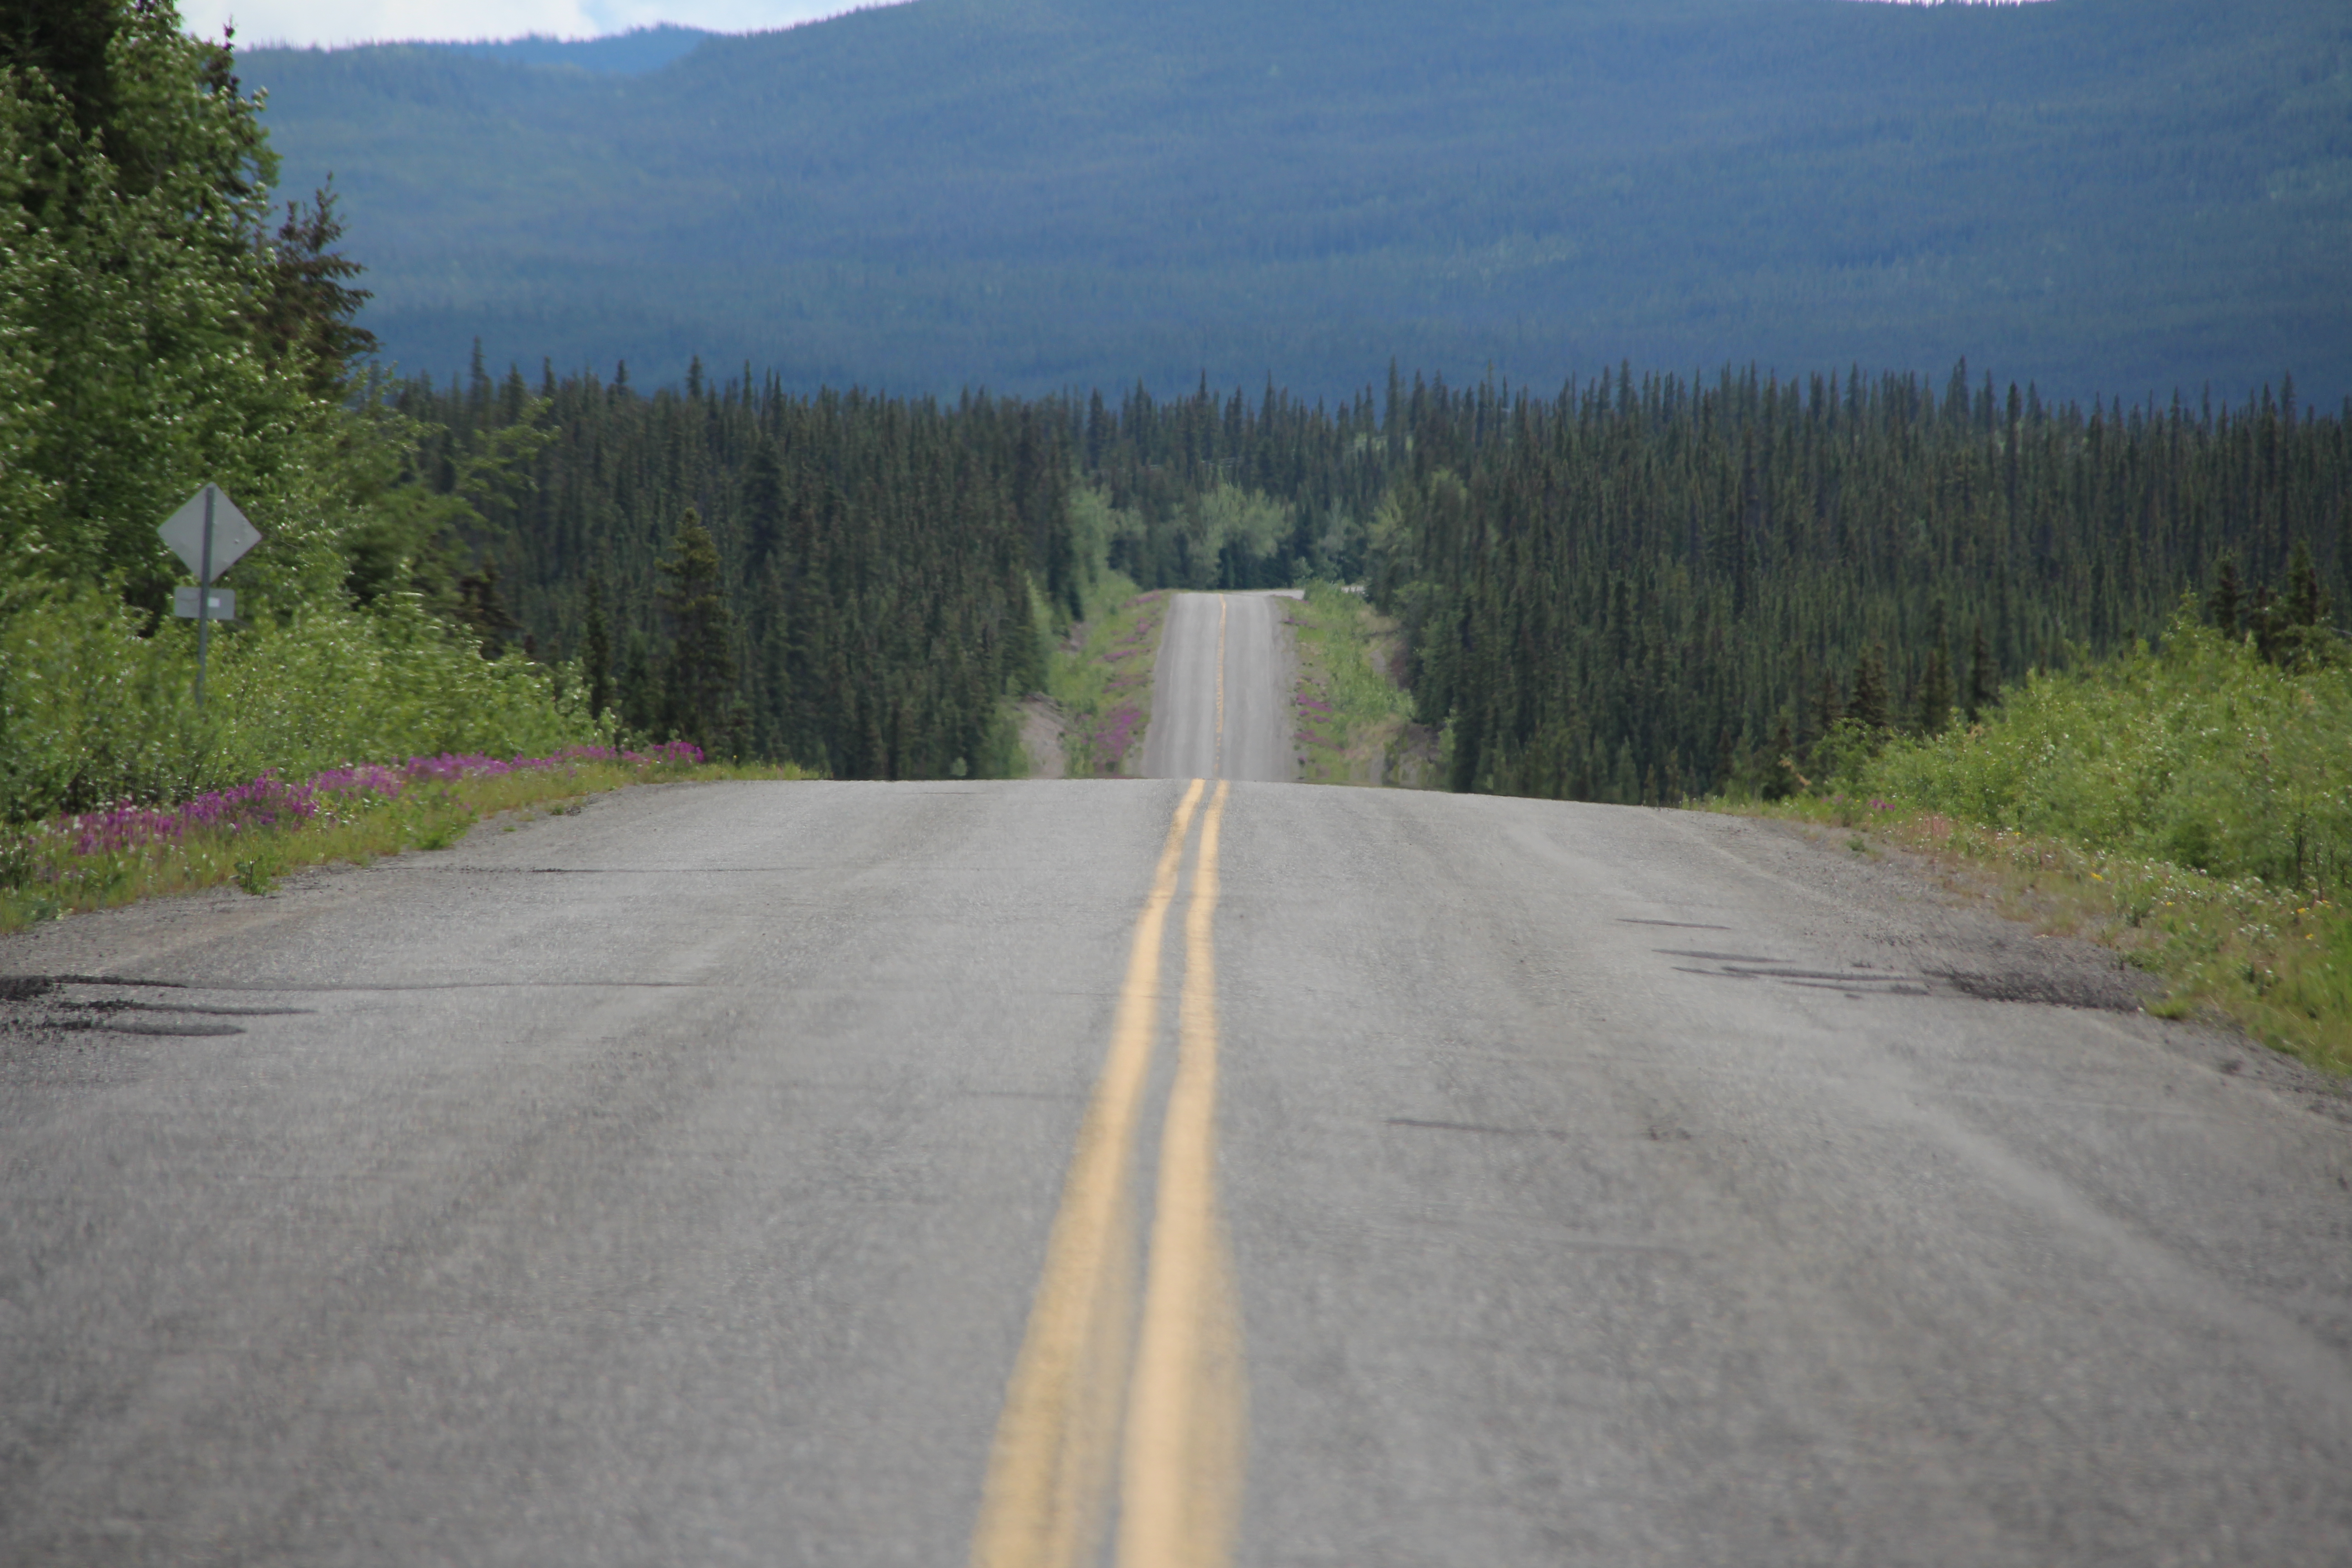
(2307, 601)
(1936, 692)
(699, 675)
(1829, 704)
(1871, 707)
(1778, 780)
(597, 648)
(2225, 603)
(482, 605)
(640, 696)
(1984, 676)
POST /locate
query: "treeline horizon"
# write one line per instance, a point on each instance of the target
(1636, 589)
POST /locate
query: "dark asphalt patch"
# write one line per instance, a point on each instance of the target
(2106, 992)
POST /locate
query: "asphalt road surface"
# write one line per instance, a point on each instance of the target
(1220, 691)
(1153, 1173)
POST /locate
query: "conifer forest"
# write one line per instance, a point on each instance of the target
(1639, 589)
(841, 580)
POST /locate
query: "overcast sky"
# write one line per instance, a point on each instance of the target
(371, 21)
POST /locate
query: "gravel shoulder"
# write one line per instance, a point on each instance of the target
(1923, 917)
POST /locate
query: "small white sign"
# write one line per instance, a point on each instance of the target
(222, 608)
(232, 535)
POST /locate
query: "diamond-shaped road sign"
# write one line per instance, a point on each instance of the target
(232, 535)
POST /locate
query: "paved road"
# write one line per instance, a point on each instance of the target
(921, 1174)
(1220, 691)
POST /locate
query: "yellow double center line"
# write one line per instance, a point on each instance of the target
(1179, 1458)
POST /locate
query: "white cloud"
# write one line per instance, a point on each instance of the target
(383, 21)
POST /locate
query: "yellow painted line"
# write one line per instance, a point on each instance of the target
(1049, 1470)
(1181, 1469)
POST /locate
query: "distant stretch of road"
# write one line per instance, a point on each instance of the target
(1221, 693)
(1170, 1174)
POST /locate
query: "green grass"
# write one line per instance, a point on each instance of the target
(2191, 808)
(1353, 722)
(1099, 676)
(42, 879)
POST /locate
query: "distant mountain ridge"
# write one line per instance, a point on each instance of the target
(2107, 195)
(631, 53)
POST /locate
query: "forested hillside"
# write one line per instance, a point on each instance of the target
(864, 595)
(1645, 588)
(618, 54)
(2103, 196)
(1639, 589)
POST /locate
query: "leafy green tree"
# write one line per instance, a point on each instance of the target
(149, 338)
(153, 335)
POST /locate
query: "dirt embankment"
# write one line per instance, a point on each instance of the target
(1041, 732)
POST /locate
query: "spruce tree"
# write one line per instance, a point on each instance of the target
(2307, 601)
(482, 606)
(2305, 638)
(1984, 676)
(640, 705)
(1935, 681)
(2223, 604)
(2266, 625)
(1779, 772)
(1936, 692)
(1829, 705)
(699, 675)
(1870, 706)
(596, 649)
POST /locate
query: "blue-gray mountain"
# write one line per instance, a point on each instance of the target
(2117, 196)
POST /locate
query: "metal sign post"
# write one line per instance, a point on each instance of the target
(208, 529)
(204, 598)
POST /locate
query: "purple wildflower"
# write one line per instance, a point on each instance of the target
(269, 801)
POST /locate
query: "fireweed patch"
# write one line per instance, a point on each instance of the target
(253, 832)
(1100, 677)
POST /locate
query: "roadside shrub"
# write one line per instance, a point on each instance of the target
(2203, 754)
(92, 713)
